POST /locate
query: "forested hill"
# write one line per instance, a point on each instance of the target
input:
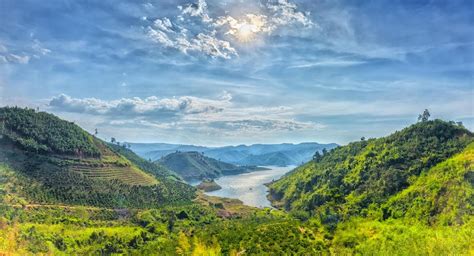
(414, 172)
(57, 162)
(41, 132)
(196, 166)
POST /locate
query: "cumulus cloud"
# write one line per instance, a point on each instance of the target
(198, 9)
(189, 113)
(212, 36)
(153, 107)
(163, 32)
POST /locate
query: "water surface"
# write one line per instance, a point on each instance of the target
(249, 187)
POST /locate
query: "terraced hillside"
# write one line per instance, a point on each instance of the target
(38, 146)
(111, 166)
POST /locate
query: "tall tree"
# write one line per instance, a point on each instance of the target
(425, 116)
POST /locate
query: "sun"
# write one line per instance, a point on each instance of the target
(245, 32)
(248, 27)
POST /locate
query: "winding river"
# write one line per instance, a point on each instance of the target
(249, 187)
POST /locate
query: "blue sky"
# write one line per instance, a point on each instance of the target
(238, 71)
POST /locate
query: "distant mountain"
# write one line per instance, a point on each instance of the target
(257, 154)
(195, 166)
(155, 151)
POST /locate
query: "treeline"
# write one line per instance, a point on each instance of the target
(41, 132)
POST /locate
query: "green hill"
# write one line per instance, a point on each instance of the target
(405, 174)
(410, 193)
(443, 195)
(65, 164)
(194, 165)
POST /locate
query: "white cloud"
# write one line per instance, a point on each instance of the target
(189, 113)
(284, 13)
(36, 50)
(198, 9)
(210, 36)
(8, 57)
(163, 32)
(13, 58)
(136, 107)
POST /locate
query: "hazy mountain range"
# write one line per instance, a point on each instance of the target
(257, 154)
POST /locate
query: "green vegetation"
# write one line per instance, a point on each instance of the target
(62, 175)
(208, 185)
(196, 166)
(44, 133)
(359, 178)
(411, 193)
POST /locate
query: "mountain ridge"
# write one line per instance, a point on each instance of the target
(196, 166)
(254, 154)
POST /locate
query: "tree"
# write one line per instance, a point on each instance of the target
(316, 156)
(425, 116)
(362, 139)
(112, 140)
(96, 132)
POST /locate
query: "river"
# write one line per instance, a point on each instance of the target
(249, 187)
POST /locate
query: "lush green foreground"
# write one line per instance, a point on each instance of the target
(411, 193)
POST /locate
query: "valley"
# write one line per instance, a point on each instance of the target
(64, 191)
(250, 188)
(237, 128)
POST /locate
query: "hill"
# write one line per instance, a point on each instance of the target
(256, 154)
(415, 172)
(274, 158)
(196, 166)
(64, 164)
(377, 214)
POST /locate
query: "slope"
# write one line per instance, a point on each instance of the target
(360, 177)
(68, 165)
(194, 165)
(443, 195)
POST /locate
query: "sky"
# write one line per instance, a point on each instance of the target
(221, 72)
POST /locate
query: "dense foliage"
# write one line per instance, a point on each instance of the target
(360, 177)
(45, 183)
(411, 193)
(65, 165)
(45, 133)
